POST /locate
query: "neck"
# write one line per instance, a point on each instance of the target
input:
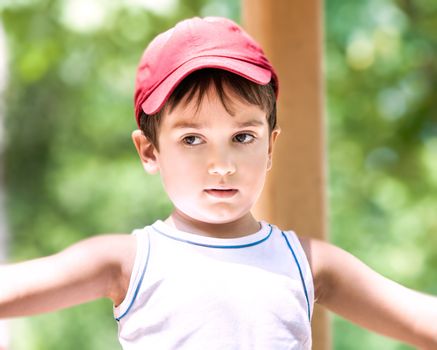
(243, 226)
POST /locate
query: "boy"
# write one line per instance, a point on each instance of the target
(210, 276)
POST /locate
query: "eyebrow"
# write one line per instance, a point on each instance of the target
(185, 124)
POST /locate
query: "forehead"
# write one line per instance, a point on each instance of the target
(202, 109)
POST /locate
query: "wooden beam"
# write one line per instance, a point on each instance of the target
(294, 197)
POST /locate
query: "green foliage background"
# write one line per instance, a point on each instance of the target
(72, 171)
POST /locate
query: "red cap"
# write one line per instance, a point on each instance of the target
(193, 44)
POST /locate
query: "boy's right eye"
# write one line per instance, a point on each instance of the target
(192, 140)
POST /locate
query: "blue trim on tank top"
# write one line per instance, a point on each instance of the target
(216, 246)
(137, 289)
(300, 273)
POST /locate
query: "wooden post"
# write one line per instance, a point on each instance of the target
(290, 31)
(3, 225)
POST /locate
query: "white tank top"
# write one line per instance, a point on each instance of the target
(194, 292)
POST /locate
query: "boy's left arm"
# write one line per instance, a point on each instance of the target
(348, 287)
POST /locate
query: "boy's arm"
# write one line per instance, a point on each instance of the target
(93, 268)
(349, 288)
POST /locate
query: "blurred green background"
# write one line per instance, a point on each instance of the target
(71, 170)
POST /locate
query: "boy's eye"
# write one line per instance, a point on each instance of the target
(244, 138)
(192, 140)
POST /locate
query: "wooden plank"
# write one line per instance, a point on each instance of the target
(291, 34)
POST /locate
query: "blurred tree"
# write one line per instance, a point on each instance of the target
(3, 219)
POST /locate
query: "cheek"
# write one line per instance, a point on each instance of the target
(256, 164)
(256, 159)
(178, 170)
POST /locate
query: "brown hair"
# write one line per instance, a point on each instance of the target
(197, 84)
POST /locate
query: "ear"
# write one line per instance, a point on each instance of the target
(274, 135)
(147, 152)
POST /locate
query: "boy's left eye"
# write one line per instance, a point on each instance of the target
(244, 138)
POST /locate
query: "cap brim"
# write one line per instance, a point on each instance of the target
(162, 92)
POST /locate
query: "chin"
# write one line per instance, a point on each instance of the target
(219, 221)
(222, 218)
(217, 215)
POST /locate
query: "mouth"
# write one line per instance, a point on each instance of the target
(221, 192)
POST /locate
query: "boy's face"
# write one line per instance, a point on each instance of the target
(212, 164)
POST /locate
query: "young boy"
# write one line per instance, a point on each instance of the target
(211, 276)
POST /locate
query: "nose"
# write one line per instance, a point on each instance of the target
(221, 163)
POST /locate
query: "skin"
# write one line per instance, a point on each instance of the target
(204, 160)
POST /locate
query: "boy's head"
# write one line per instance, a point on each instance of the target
(202, 46)
(206, 101)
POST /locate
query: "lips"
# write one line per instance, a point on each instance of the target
(221, 192)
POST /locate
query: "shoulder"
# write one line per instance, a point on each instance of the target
(112, 255)
(326, 262)
(120, 250)
(107, 249)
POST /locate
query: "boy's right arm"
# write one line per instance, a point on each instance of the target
(93, 268)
